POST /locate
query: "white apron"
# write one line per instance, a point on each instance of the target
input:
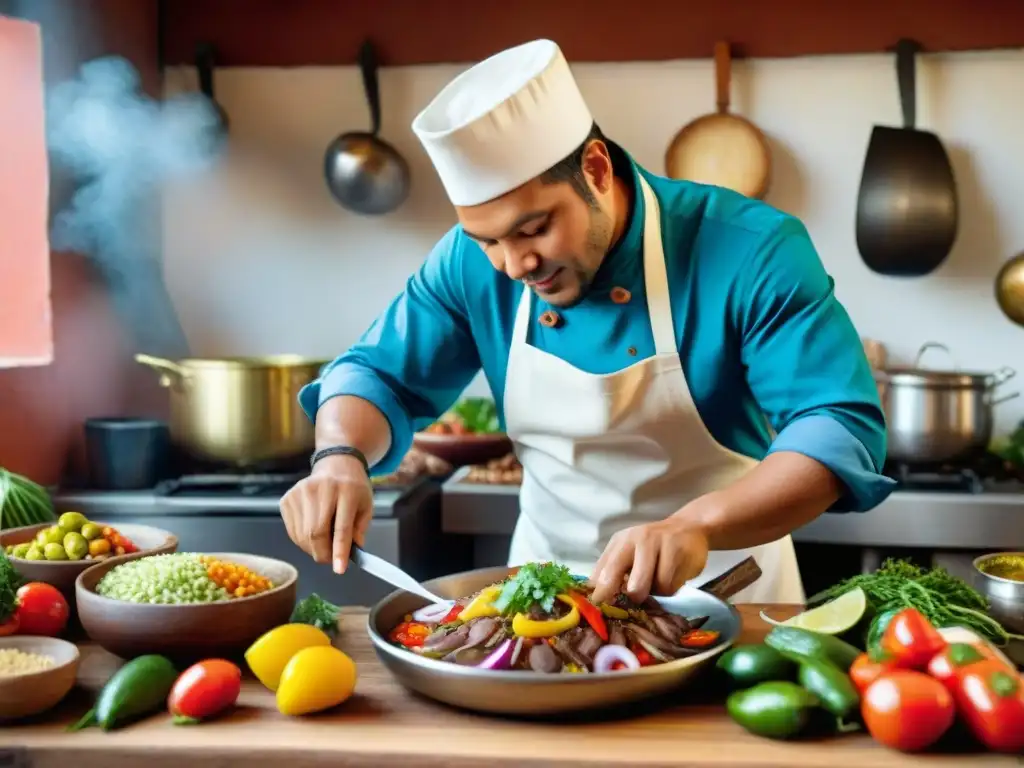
(605, 452)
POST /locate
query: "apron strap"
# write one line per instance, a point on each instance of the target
(522, 323)
(659, 306)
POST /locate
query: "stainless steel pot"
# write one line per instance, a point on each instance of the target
(241, 412)
(938, 415)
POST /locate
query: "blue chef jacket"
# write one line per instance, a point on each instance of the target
(772, 359)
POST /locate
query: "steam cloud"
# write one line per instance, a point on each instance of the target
(121, 146)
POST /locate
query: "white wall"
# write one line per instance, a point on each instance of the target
(260, 260)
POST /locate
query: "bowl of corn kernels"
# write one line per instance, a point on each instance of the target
(36, 673)
(184, 605)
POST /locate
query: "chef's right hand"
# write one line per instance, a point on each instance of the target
(326, 511)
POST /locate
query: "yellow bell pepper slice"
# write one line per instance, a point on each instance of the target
(482, 605)
(614, 613)
(524, 626)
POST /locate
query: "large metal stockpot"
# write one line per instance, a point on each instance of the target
(938, 415)
(240, 412)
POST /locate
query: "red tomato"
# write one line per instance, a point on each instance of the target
(990, 698)
(866, 670)
(42, 609)
(947, 665)
(911, 640)
(907, 710)
(204, 690)
(9, 625)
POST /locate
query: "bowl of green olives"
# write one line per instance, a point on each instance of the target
(56, 553)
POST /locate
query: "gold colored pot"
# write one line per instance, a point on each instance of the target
(241, 412)
(1010, 289)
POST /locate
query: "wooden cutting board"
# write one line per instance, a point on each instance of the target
(26, 331)
(383, 726)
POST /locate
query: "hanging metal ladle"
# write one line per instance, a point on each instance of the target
(364, 173)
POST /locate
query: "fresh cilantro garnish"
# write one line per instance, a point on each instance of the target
(536, 583)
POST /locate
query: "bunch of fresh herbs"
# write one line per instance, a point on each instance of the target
(534, 583)
(317, 612)
(944, 599)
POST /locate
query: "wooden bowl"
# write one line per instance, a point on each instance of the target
(464, 450)
(187, 632)
(62, 573)
(36, 692)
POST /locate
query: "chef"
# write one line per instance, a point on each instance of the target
(679, 380)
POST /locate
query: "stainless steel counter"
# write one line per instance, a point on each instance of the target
(943, 520)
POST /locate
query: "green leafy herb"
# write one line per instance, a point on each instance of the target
(944, 599)
(478, 414)
(318, 612)
(9, 583)
(534, 583)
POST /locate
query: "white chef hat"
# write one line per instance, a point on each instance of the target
(504, 121)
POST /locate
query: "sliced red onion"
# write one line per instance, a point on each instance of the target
(501, 658)
(608, 656)
(433, 613)
(516, 651)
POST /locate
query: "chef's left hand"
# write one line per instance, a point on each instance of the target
(658, 558)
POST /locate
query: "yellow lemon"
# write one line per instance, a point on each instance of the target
(315, 679)
(270, 654)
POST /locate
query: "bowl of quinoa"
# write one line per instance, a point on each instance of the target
(36, 673)
(184, 605)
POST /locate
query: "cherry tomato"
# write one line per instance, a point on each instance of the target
(42, 609)
(990, 698)
(9, 625)
(948, 665)
(907, 710)
(204, 690)
(865, 670)
(911, 640)
(642, 655)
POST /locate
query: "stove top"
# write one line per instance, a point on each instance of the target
(249, 484)
(987, 474)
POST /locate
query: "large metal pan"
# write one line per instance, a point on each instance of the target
(536, 693)
(907, 208)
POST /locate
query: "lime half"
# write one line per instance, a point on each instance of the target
(832, 618)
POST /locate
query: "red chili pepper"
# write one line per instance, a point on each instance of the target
(990, 698)
(911, 640)
(698, 638)
(453, 614)
(591, 613)
(411, 634)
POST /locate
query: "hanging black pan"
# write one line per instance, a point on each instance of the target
(907, 211)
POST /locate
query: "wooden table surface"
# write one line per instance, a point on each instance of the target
(383, 725)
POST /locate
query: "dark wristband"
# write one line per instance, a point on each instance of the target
(340, 450)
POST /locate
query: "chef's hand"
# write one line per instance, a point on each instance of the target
(325, 512)
(658, 558)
